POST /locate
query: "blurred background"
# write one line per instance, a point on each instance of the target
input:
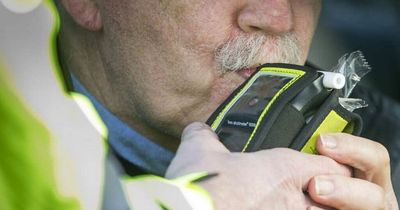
(371, 26)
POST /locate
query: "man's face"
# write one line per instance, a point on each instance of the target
(174, 61)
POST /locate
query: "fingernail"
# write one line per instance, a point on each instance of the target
(323, 186)
(328, 141)
(313, 208)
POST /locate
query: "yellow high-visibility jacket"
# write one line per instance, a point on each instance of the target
(52, 142)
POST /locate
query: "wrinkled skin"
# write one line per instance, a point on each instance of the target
(159, 55)
(152, 63)
(285, 179)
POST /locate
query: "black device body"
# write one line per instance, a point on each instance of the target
(281, 105)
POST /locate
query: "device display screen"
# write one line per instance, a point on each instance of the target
(241, 119)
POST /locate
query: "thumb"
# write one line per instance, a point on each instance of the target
(199, 144)
(198, 137)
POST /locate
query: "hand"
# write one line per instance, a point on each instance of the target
(270, 179)
(371, 186)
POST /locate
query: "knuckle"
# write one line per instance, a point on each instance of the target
(384, 154)
(382, 159)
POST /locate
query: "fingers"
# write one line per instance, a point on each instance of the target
(343, 193)
(300, 166)
(325, 165)
(318, 165)
(199, 137)
(370, 189)
(369, 157)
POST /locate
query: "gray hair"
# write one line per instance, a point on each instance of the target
(246, 51)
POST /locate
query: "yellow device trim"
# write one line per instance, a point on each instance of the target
(332, 123)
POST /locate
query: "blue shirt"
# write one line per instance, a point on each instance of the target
(128, 143)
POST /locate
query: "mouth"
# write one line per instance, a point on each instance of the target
(246, 72)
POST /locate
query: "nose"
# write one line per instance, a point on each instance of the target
(268, 16)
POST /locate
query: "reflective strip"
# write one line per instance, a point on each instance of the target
(27, 178)
(332, 123)
(28, 49)
(154, 193)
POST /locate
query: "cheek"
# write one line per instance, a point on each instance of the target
(195, 34)
(306, 13)
(169, 53)
(205, 25)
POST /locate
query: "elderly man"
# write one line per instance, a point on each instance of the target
(153, 67)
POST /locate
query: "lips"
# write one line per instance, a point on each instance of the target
(246, 73)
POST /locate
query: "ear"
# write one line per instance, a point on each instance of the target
(85, 13)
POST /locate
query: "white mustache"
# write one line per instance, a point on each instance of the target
(248, 51)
